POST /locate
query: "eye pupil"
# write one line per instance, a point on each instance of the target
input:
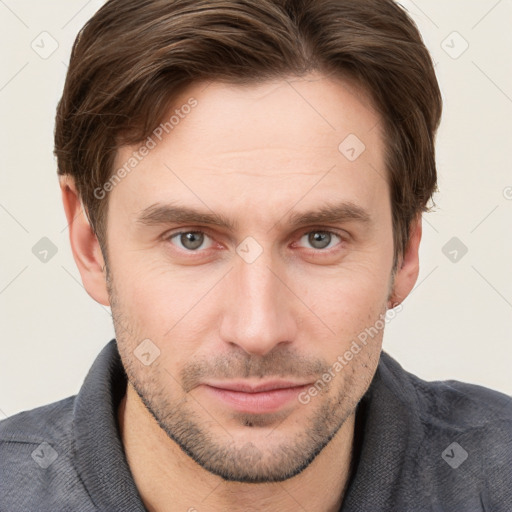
(318, 239)
(192, 239)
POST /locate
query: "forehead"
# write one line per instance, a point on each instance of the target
(312, 112)
(273, 142)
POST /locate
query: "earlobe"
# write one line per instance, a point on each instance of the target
(409, 267)
(84, 243)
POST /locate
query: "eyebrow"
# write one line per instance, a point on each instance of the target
(159, 214)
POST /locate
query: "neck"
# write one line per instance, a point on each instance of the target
(168, 480)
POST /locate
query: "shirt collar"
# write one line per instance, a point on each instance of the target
(389, 426)
(100, 458)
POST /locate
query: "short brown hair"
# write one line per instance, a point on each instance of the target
(134, 56)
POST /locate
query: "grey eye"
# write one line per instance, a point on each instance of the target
(320, 239)
(190, 240)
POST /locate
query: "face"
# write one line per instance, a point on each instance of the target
(252, 245)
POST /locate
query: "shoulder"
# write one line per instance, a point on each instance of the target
(464, 449)
(469, 415)
(462, 406)
(449, 403)
(470, 433)
(36, 460)
(48, 421)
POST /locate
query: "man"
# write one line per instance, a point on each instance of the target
(244, 184)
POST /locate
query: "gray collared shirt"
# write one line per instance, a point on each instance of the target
(420, 446)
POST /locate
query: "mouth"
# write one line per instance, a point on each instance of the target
(255, 399)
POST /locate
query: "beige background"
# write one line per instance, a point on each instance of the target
(456, 324)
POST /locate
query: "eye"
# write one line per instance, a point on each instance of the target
(319, 239)
(189, 240)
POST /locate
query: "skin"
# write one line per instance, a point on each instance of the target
(254, 154)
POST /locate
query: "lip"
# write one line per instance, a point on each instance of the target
(262, 398)
(245, 387)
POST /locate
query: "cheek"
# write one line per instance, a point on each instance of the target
(163, 303)
(141, 278)
(350, 291)
(350, 301)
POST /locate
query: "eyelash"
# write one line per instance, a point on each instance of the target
(339, 235)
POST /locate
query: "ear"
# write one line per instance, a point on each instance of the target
(409, 266)
(84, 243)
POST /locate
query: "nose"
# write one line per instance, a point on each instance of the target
(258, 313)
